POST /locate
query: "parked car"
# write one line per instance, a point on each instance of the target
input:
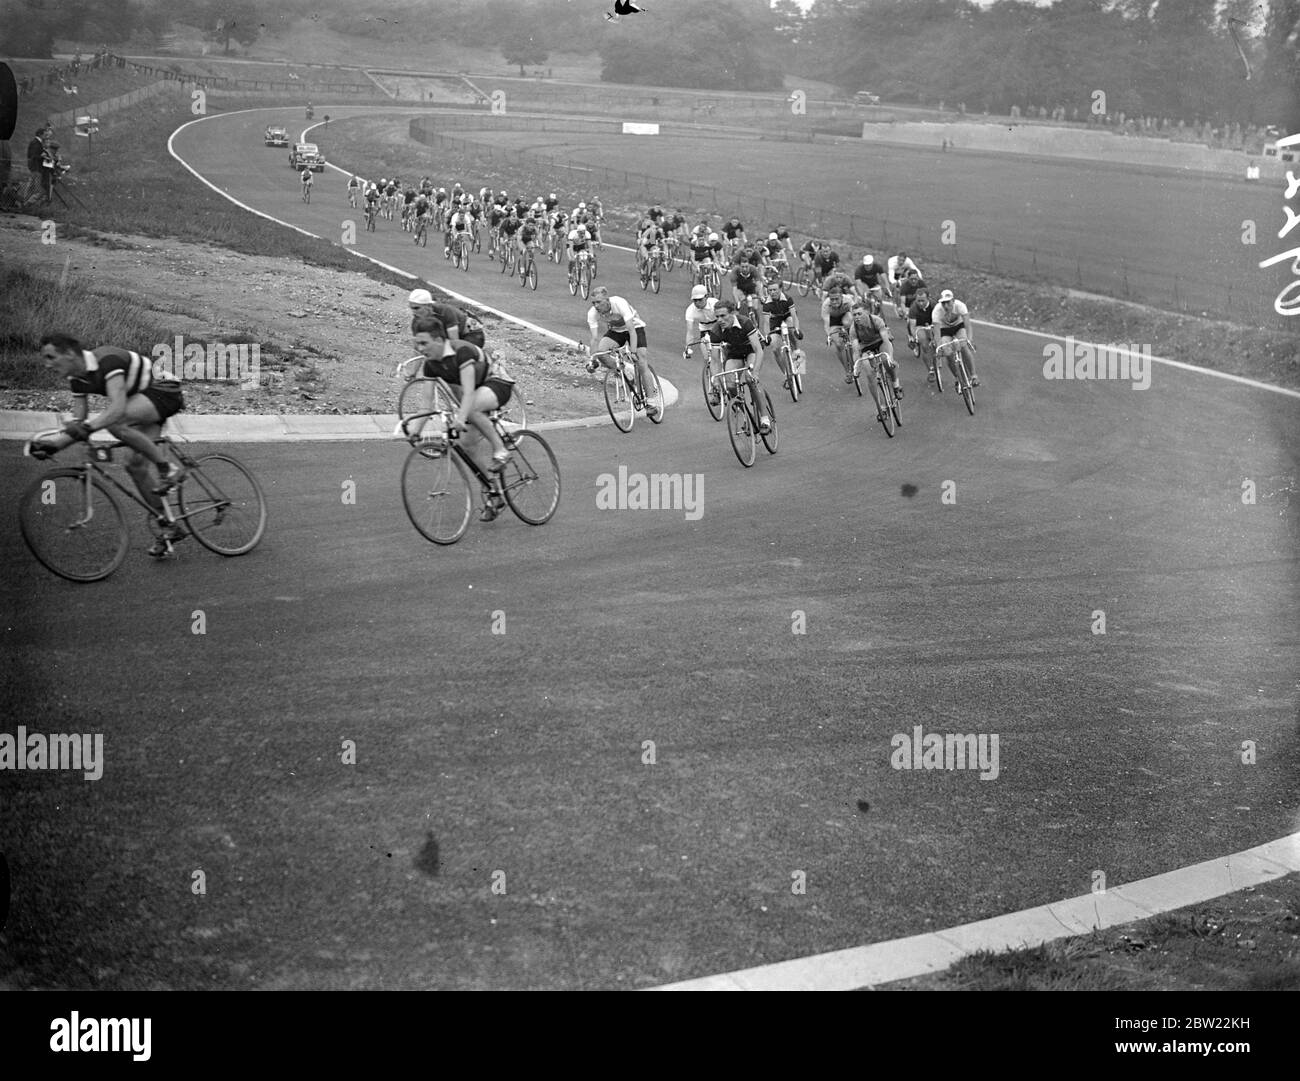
(277, 137)
(307, 154)
(866, 97)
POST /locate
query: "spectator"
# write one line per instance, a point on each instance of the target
(35, 155)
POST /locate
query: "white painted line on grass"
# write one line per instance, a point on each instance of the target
(904, 958)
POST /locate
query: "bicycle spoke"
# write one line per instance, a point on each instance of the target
(222, 504)
(531, 479)
(78, 539)
(437, 495)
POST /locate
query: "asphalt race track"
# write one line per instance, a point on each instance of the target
(525, 753)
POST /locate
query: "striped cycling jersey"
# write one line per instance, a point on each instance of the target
(108, 362)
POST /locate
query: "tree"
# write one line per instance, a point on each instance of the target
(232, 20)
(521, 46)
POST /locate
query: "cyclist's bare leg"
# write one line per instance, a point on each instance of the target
(483, 402)
(138, 430)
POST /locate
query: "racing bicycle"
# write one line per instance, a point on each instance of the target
(75, 526)
(625, 393)
(948, 350)
(887, 411)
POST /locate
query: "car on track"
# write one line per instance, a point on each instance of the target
(277, 137)
(866, 97)
(307, 154)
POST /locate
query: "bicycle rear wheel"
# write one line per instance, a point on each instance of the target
(618, 397)
(222, 504)
(80, 539)
(531, 479)
(654, 397)
(437, 494)
(770, 438)
(740, 427)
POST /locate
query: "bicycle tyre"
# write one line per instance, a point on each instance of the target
(573, 284)
(532, 275)
(437, 495)
(654, 397)
(771, 438)
(531, 479)
(88, 553)
(222, 504)
(654, 279)
(415, 401)
(740, 427)
(618, 398)
(803, 281)
(710, 387)
(885, 415)
(790, 376)
(584, 283)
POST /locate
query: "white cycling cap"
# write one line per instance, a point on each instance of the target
(419, 297)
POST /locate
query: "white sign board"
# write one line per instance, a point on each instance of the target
(633, 128)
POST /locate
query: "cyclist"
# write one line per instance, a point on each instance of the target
(408, 208)
(354, 190)
(140, 399)
(372, 201)
(700, 317)
(744, 285)
(871, 280)
(953, 320)
(559, 228)
(824, 262)
(900, 266)
(579, 239)
(740, 338)
(459, 223)
(307, 181)
(526, 238)
(778, 309)
(496, 215)
(836, 311)
(920, 328)
(423, 211)
(459, 324)
(735, 234)
(483, 383)
(908, 287)
(621, 323)
(774, 251)
(869, 333)
(510, 226)
(650, 237)
(783, 235)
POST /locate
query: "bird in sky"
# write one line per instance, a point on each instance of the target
(624, 7)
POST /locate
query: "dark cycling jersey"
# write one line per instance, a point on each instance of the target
(923, 314)
(825, 262)
(527, 233)
(449, 367)
(838, 313)
(778, 309)
(735, 336)
(510, 226)
(744, 279)
(732, 229)
(869, 275)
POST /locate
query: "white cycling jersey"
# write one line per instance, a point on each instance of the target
(950, 319)
(622, 317)
(895, 269)
(699, 319)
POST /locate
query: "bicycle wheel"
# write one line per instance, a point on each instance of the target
(437, 495)
(531, 479)
(770, 438)
(618, 398)
(74, 544)
(654, 397)
(741, 429)
(573, 283)
(712, 388)
(532, 275)
(884, 414)
(584, 282)
(803, 280)
(895, 407)
(967, 391)
(788, 366)
(654, 278)
(222, 504)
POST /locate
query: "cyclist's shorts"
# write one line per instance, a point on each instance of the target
(167, 402)
(621, 337)
(474, 335)
(501, 389)
(951, 332)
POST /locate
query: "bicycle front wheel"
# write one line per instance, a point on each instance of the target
(786, 361)
(714, 396)
(769, 437)
(81, 537)
(222, 504)
(618, 399)
(654, 279)
(886, 414)
(532, 276)
(654, 397)
(437, 494)
(531, 479)
(420, 398)
(740, 427)
(584, 283)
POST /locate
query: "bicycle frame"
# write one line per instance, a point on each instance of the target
(491, 483)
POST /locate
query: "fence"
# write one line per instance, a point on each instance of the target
(1215, 294)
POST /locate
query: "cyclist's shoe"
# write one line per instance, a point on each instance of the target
(162, 545)
(499, 460)
(785, 385)
(857, 368)
(171, 474)
(880, 414)
(765, 425)
(492, 508)
(592, 365)
(848, 377)
(714, 398)
(798, 335)
(929, 376)
(651, 410)
(898, 391)
(974, 381)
